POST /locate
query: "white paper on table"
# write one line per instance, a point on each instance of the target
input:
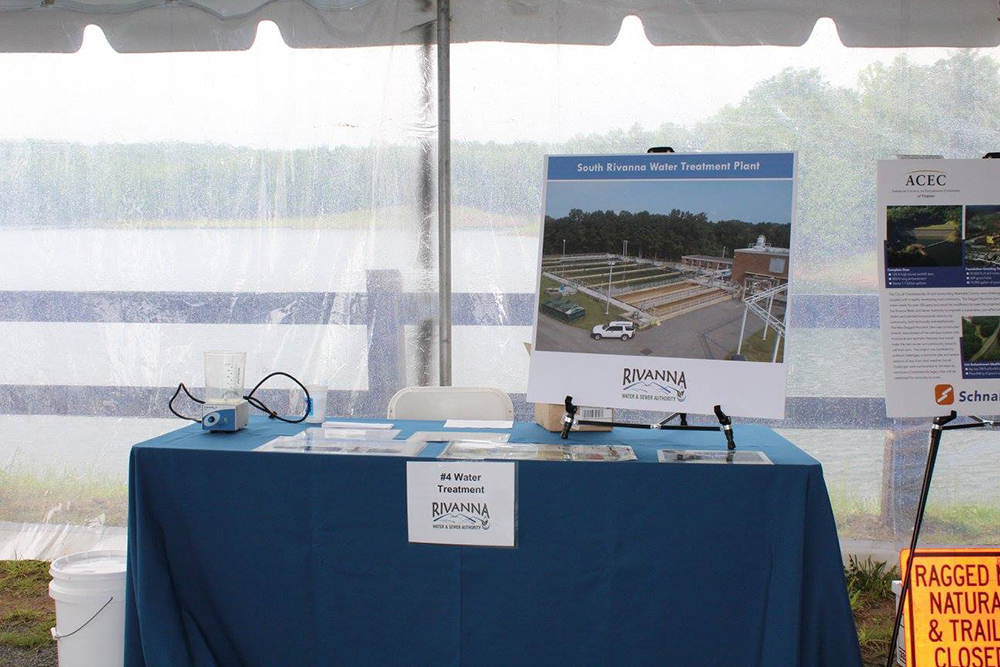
(293, 445)
(349, 434)
(478, 423)
(742, 457)
(525, 451)
(361, 425)
(448, 436)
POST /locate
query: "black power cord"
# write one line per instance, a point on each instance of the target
(257, 403)
(173, 398)
(249, 398)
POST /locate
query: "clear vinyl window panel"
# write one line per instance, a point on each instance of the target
(283, 202)
(276, 202)
(842, 110)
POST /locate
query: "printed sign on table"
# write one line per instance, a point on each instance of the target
(952, 609)
(663, 282)
(462, 502)
(939, 285)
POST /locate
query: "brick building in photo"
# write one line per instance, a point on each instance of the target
(760, 262)
(707, 262)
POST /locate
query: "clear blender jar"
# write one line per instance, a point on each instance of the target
(224, 375)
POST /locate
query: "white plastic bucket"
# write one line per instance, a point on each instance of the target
(89, 590)
(897, 588)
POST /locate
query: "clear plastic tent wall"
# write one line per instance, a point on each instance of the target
(282, 201)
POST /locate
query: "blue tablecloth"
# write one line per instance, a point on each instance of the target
(244, 558)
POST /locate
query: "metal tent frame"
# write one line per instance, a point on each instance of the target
(444, 190)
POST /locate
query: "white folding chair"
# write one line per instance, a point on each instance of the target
(451, 403)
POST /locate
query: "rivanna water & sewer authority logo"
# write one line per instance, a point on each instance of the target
(460, 516)
(654, 384)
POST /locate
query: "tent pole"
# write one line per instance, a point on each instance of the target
(444, 189)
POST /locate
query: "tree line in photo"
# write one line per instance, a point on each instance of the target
(656, 235)
(840, 131)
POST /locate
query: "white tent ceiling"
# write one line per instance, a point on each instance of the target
(194, 25)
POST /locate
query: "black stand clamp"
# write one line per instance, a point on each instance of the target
(941, 424)
(725, 423)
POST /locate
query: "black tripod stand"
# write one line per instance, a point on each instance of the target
(941, 424)
(725, 423)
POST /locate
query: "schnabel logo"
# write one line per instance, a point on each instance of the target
(944, 394)
(460, 516)
(657, 385)
(924, 179)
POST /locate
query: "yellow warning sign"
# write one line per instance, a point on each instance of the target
(952, 609)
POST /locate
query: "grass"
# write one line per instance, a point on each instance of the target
(57, 498)
(26, 629)
(594, 308)
(875, 633)
(869, 588)
(871, 580)
(755, 348)
(27, 613)
(946, 226)
(959, 523)
(20, 579)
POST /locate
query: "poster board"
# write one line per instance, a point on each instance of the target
(939, 285)
(663, 282)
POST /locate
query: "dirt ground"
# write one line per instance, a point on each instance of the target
(28, 657)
